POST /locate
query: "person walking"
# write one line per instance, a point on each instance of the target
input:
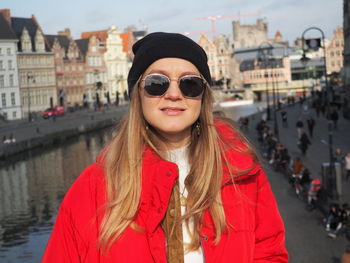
(310, 125)
(284, 118)
(304, 143)
(334, 117)
(168, 187)
(300, 126)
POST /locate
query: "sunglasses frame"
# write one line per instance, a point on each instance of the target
(205, 84)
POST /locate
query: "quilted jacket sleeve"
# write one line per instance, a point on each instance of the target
(269, 229)
(65, 244)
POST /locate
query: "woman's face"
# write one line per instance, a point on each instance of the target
(172, 114)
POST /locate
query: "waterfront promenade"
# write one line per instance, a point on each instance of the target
(43, 132)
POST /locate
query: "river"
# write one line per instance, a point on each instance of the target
(32, 188)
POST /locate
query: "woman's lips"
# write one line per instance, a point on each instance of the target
(172, 111)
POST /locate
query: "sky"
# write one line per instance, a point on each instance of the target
(290, 17)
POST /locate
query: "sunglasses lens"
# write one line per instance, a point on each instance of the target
(191, 86)
(156, 85)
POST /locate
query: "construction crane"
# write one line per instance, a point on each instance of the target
(216, 17)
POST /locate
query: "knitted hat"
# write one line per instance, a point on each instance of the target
(159, 45)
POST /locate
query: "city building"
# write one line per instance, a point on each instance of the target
(36, 67)
(117, 64)
(93, 49)
(245, 36)
(260, 72)
(334, 51)
(70, 68)
(346, 63)
(211, 51)
(10, 102)
(224, 49)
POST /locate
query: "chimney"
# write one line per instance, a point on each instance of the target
(7, 14)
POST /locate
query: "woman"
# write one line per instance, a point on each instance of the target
(174, 185)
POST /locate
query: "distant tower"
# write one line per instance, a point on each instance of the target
(249, 35)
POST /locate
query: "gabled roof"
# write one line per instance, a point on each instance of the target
(83, 45)
(63, 40)
(18, 23)
(101, 35)
(5, 29)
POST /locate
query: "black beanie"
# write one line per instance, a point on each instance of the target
(159, 45)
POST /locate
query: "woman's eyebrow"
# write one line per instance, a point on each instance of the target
(167, 73)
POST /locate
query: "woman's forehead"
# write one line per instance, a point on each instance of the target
(172, 65)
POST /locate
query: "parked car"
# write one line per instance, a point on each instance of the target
(53, 112)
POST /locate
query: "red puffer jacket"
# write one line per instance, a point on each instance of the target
(255, 229)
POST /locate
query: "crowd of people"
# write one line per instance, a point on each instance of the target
(305, 185)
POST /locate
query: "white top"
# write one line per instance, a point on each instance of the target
(347, 162)
(180, 157)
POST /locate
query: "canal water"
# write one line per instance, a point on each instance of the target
(33, 186)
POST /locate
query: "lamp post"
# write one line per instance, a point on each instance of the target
(263, 54)
(30, 78)
(305, 59)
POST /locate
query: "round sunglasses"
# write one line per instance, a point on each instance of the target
(191, 86)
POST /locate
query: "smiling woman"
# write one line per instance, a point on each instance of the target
(174, 184)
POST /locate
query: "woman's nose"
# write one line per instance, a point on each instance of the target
(173, 91)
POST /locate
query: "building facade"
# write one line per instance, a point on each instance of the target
(249, 35)
(10, 102)
(334, 51)
(70, 69)
(117, 64)
(36, 67)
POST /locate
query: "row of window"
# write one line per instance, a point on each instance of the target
(338, 63)
(338, 53)
(6, 114)
(92, 78)
(70, 68)
(37, 97)
(3, 82)
(8, 51)
(35, 60)
(43, 77)
(9, 65)
(5, 99)
(73, 81)
(94, 61)
(266, 75)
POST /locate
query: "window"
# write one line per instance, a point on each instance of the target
(11, 80)
(1, 65)
(2, 81)
(9, 51)
(13, 99)
(3, 99)
(14, 114)
(9, 63)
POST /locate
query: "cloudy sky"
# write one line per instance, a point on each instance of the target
(290, 17)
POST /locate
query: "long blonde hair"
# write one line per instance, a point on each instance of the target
(122, 158)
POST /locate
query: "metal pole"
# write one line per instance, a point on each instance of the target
(29, 76)
(274, 99)
(331, 158)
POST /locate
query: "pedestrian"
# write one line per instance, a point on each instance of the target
(168, 186)
(334, 117)
(312, 194)
(310, 125)
(284, 118)
(347, 165)
(117, 98)
(300, 126)
(304, 143)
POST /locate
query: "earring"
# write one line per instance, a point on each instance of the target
(198, 128)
